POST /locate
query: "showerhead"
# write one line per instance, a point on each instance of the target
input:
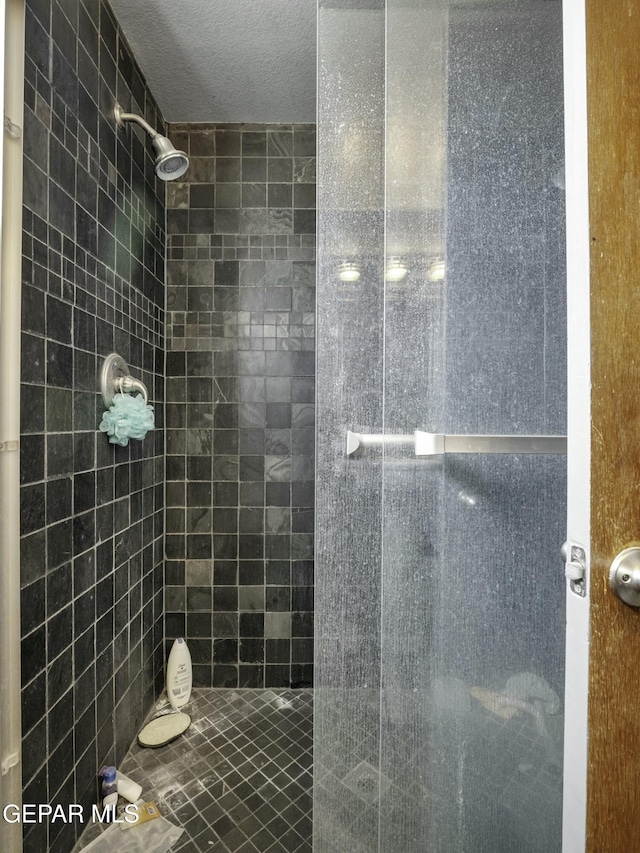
(170, 162)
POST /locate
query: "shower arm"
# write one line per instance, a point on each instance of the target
(122, 117)
(169, 162)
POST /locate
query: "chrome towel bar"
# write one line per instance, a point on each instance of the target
(434, 444)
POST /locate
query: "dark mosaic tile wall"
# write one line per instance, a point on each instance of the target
(92, 514)
(240, 403)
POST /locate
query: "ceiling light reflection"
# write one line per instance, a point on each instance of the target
(396, 270)
(437, 269)
(348, 271)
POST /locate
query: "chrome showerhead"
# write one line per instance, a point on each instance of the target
(170, 162)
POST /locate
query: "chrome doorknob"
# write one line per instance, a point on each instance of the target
(624, 576)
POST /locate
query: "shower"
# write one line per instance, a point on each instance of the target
(392, 614)
(170, 163)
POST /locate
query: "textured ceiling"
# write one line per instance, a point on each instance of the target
(226, 60)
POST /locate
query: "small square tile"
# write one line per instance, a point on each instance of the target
(277, 625)
(251, 598)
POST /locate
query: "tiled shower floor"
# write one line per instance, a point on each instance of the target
(239, 780)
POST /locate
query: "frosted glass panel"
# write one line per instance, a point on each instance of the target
(440, 595)
(351, 375)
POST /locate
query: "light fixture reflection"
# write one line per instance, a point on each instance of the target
(348, 271)
(436, 269)
(467, 498)
(396, 270)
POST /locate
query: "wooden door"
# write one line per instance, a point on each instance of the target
(613, 120)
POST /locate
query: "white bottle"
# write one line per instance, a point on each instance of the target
(179, 674)
(127, 788)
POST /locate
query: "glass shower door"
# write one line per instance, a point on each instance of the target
(441, 308)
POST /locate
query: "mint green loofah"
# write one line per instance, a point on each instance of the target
(128, 417)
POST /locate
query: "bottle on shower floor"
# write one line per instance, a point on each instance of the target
(109, 791)
(179, 674)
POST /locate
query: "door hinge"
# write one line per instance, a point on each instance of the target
(9, 762)
(14, 130)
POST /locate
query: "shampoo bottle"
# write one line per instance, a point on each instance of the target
(179, 676)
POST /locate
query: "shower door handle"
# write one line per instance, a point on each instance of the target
(435, 444)
(491, 443)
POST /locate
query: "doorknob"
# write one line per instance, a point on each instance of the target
(624, 576)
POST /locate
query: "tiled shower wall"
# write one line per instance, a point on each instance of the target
(92, 513)
(240, 403)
